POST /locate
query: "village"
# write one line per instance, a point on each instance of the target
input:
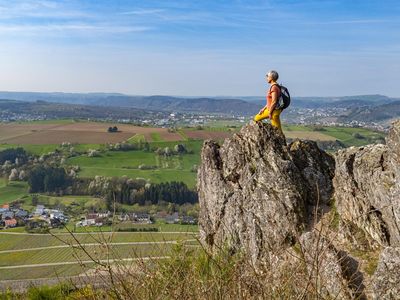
(42, 217)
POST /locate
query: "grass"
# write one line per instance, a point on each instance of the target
(53, 121)
(33, 149)
(345, 135)
(26, 241)
(31, 256)
(162, 227)
(126, 163)
(156, 137)
(12, 190)
(42, 272)
(69, 254)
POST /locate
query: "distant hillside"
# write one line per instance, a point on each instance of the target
(377, 113)
(65, 110)
(166, 103)
(247, 106)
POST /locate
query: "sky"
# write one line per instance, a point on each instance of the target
(201, 48)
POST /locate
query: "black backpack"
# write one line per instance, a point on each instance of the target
(284, 98)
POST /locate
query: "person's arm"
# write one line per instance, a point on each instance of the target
(274, 95)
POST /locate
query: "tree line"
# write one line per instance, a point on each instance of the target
(13, 154)
(49, 179)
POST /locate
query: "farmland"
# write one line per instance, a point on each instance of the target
(28, 256)
(10, 191)
(43, 137)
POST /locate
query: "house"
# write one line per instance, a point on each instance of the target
(40, 210)
(124, 217)
(161, 214)
(21, 214)
(188, 220)
(10, 223)
(172, 219)
(86, 222)
(142, 218)
(57, 214)
(7, 215)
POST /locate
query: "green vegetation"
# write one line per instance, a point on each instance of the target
(10, 191)
(87, 235)
(17, 250)
(52, 121)
(126, 163)
(42, 272)
(156, 137)
(348, 135)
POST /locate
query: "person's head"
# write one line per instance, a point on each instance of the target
(272, 76)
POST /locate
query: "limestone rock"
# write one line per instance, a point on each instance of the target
(252, 194)
(333, 273)
(317, 168)
(386, 282)
(367, 190)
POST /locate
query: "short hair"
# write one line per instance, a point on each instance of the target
(274, 75)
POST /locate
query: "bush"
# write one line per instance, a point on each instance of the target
(49, 292)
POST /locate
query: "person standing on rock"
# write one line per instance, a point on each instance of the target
(270, 110)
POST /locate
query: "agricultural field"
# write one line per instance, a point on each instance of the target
(43, 137)
(31, 256)
(28, 256)
(10, 191)
(127, 163)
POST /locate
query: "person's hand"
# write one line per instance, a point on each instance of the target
(261, 111)
(270, 116)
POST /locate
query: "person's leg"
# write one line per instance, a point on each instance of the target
(264, 115)
(275, 121)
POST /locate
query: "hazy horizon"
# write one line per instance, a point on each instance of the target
(193, 96)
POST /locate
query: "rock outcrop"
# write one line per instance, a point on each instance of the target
(254, 190)
(262, 197)
(367, 191)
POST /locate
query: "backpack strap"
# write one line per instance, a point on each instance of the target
(277, 84)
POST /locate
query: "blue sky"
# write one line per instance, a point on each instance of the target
(193, 48)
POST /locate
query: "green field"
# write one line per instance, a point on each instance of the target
(126, 163)
(37, 251)
(10, 191)
(27, 241)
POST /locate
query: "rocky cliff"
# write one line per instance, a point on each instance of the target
(262, 197)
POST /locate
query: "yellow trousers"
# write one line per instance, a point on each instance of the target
(275, 121)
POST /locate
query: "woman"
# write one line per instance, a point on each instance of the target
(269, 110)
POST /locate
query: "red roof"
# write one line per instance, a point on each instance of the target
(10, 222)
(6, 206)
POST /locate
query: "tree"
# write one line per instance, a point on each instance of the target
(13, 154)
(48, 179)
